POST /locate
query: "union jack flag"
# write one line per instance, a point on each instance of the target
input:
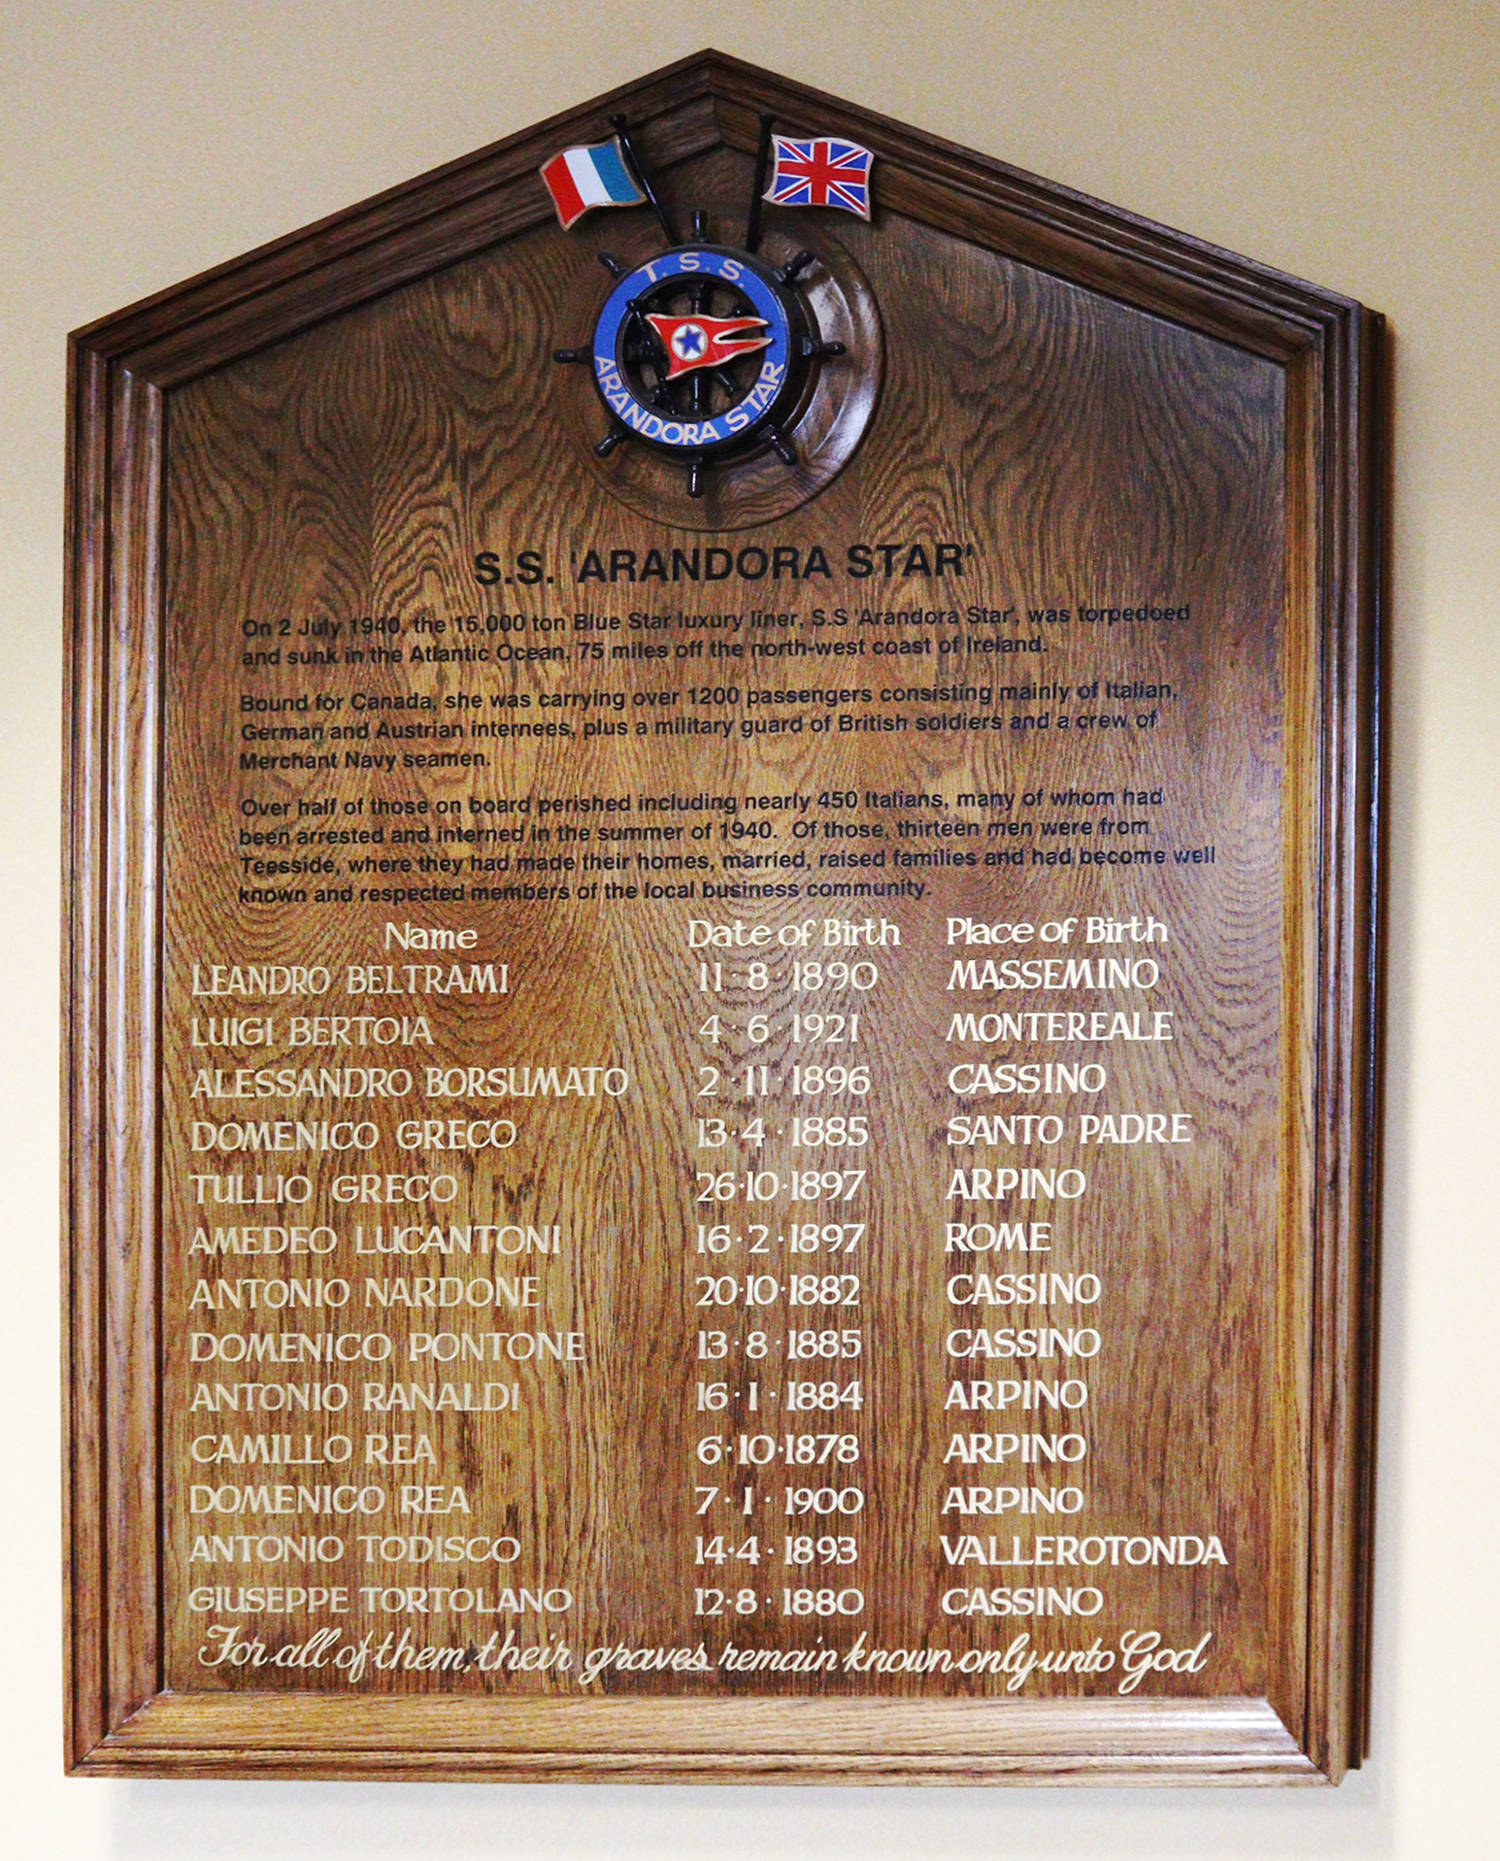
(822, 172)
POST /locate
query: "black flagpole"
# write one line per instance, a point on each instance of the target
(618, 125)
(758, 185)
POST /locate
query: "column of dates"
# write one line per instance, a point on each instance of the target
(781, 1144)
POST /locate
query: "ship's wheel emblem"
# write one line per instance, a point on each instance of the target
(704, 352)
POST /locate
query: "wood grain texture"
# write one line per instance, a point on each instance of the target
(643, 1741)
(84, 1591)
(1109, 408)
(1066, 516)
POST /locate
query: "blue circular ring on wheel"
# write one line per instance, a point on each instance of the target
(736, 423)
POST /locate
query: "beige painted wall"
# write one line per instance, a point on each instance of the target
(1355, 142)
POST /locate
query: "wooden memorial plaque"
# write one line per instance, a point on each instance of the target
(723, 985)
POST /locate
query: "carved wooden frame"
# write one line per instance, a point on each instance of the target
(120, 1720)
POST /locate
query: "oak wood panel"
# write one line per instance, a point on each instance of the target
(314, 444)
(345, 426)
(1101, 1742)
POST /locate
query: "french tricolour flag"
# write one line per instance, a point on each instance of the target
(594, 175)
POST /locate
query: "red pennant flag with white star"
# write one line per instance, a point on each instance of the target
(705, 342)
